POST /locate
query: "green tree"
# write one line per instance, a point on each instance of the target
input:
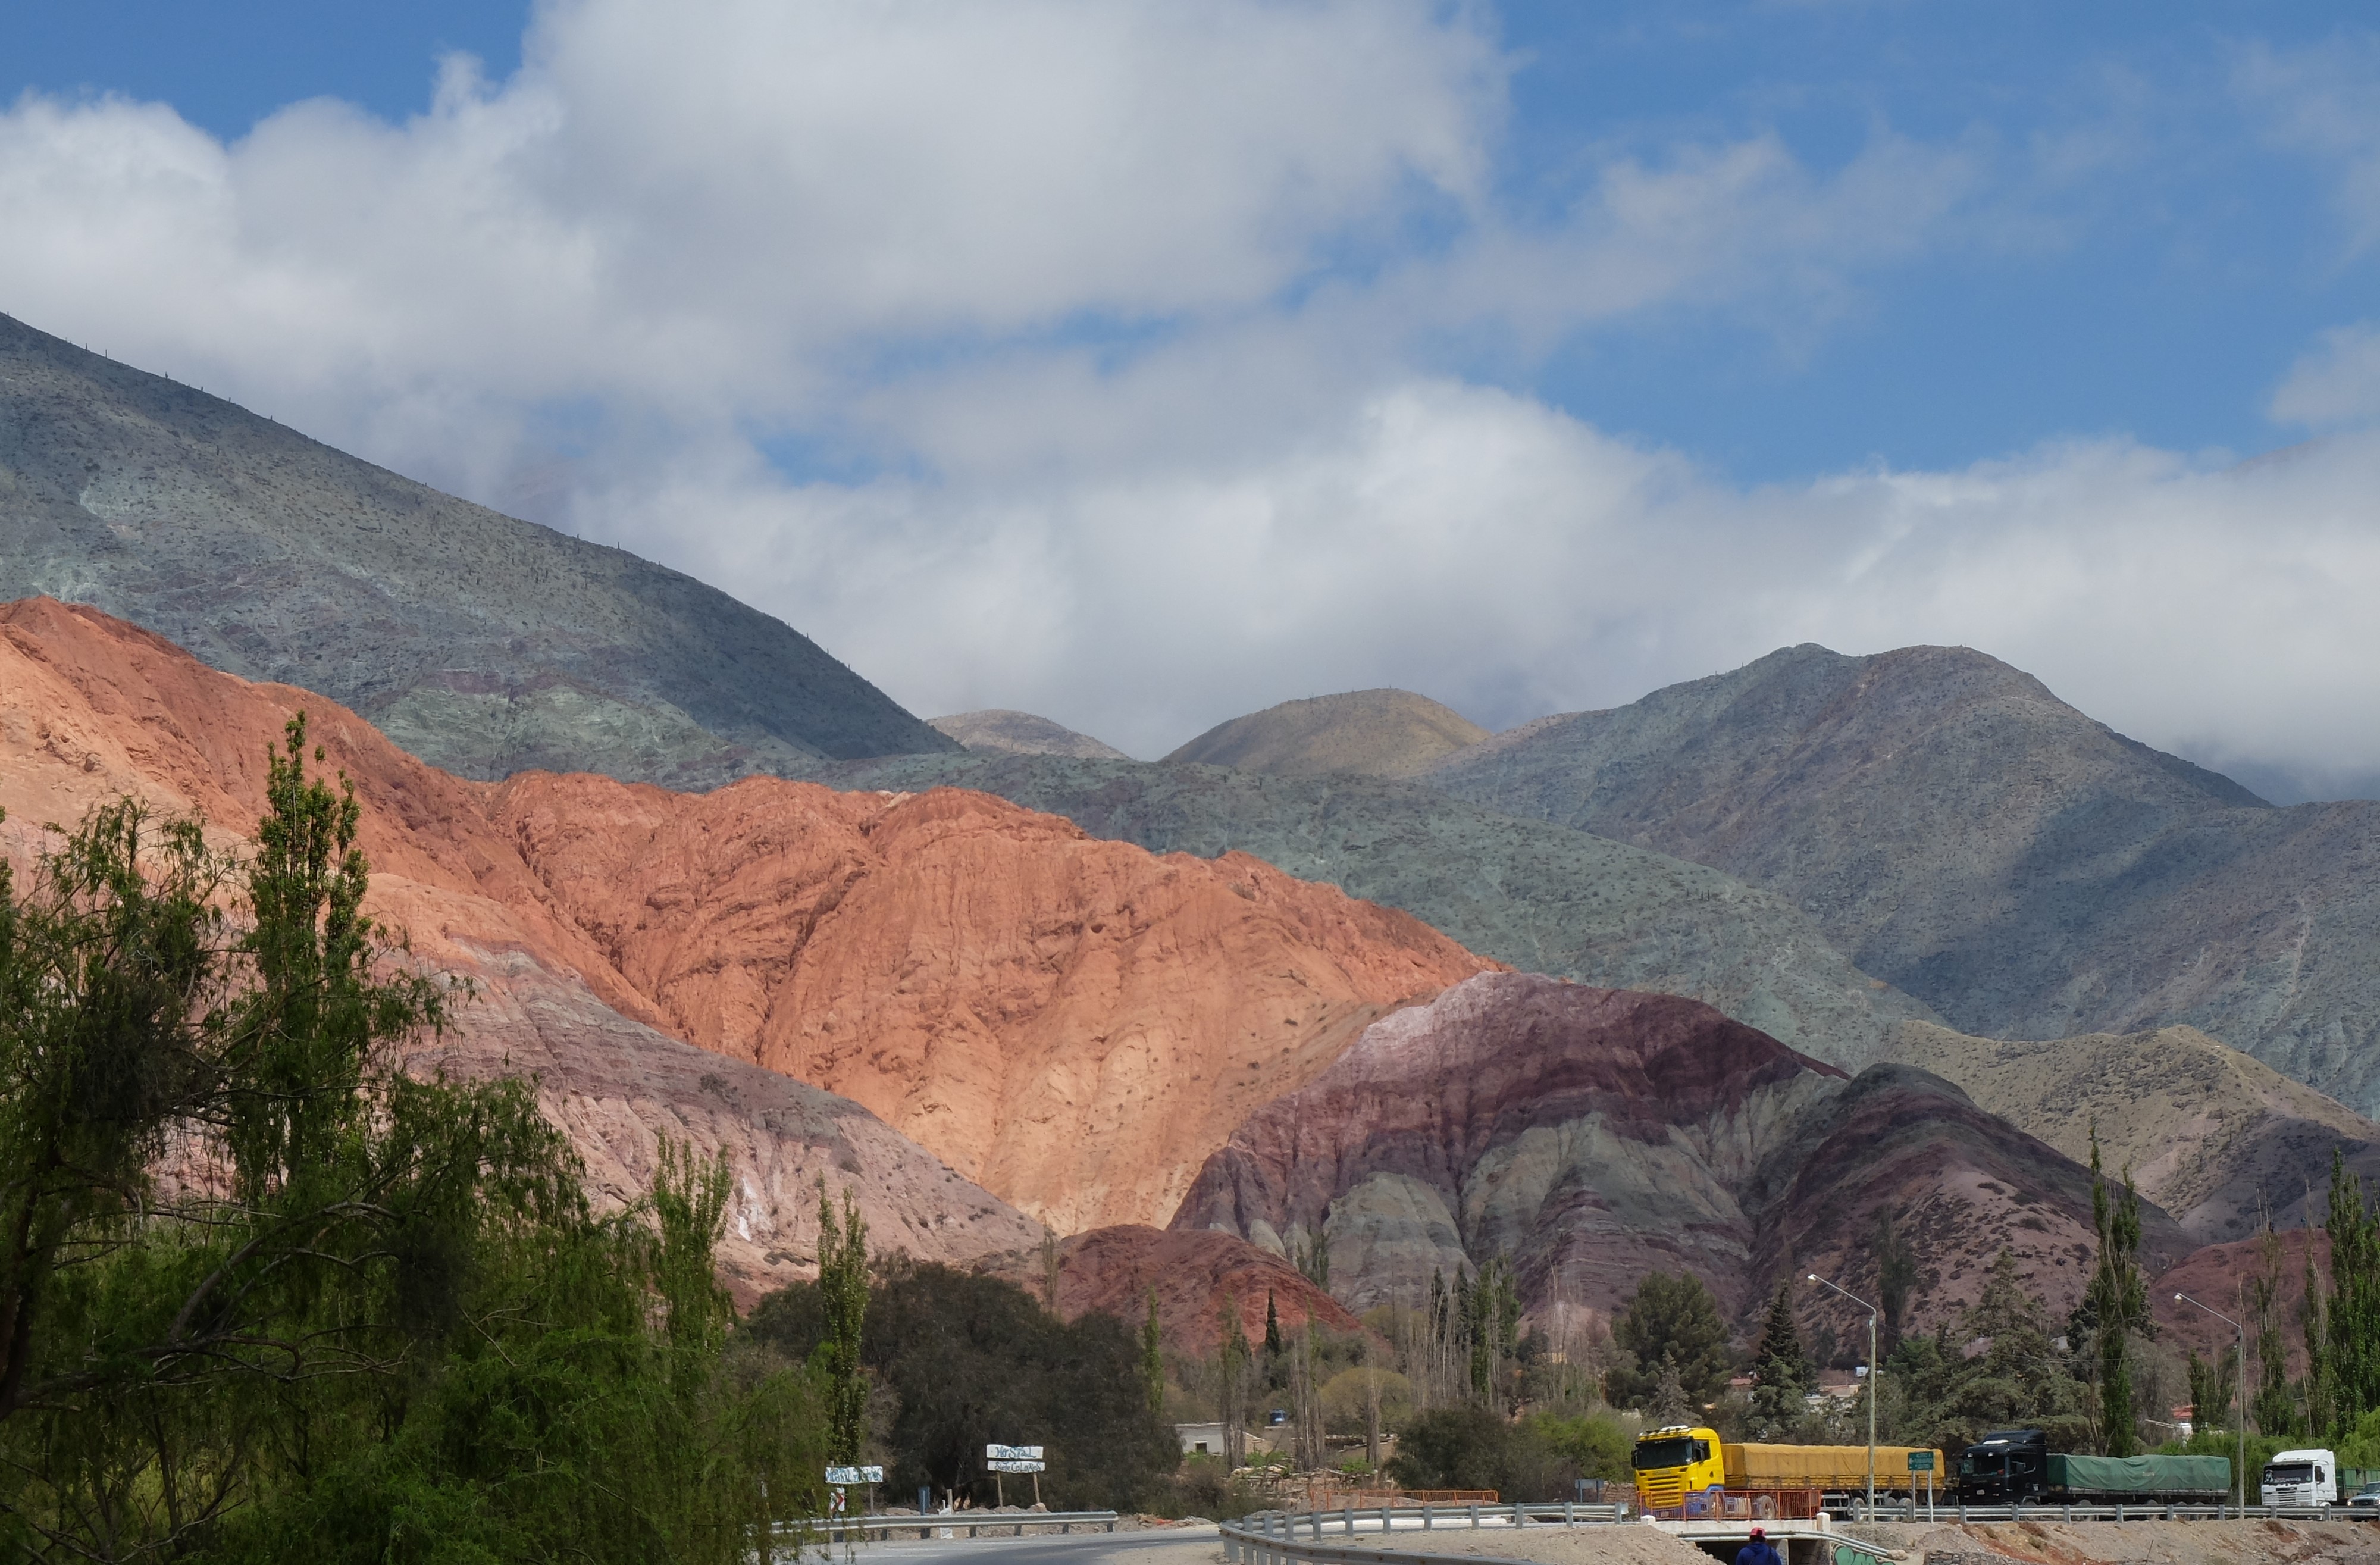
(1781, 1371)
(1673, 1323)
(843, 1295)
(2118, 1294)
(1272, 1328)
(2353, 1324)
(1234, 1367)
(1492, 1328)
(970, 1360)
(360, 1317)
(1896, 1272)
(2213, 1384)
(2314, 1392)
(1940, 1394)
(1313, 1259)
(2275, 1406)
(1152, 1357)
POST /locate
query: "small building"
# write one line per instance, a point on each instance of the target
(1207, 1439)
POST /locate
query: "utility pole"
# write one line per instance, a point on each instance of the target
(1874, 1379)
(2239, 1372)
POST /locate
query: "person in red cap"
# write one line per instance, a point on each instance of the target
(1759, 1551)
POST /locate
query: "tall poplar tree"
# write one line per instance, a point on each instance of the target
(1152, 1357)
(843, 1293)
(2353, 1327)
(2120, 1300)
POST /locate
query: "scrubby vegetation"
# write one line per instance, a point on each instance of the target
(263, 1296)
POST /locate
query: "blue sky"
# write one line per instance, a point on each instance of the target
(2164, 293)
(1530, 354)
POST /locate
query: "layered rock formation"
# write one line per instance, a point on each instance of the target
(2218, 1138)
(1594, 1136)
(1370, 732)
(2223, 1277)
(92, 709)
(1200, 1278)
(1000, 732)
(1073, 1022)
(1544, 898)
(1960, 831)
(481, 643)
(1959, 1185)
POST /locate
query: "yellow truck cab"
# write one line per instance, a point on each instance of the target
(1679, 1467)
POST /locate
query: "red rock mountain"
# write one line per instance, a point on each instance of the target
(1596, 1135)
(1197, 1275)
(1077, 1023)
(92, 708)
(1080, 1024)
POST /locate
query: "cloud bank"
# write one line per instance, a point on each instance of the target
(1142, 365)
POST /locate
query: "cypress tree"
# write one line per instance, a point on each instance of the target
(2274, 1408)
(2118, 1296)
(1781, 1372)
(2353, 1327)
(1273, 1327)
(843, 1290)
(2314, 1394)
(1152, 1357)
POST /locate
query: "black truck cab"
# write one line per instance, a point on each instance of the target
(2006, 1467)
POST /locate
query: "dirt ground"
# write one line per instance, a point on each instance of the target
(1619, 1542)
(1980, 1543)
(2247, 1542)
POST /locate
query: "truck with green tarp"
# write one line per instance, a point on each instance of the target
(2017, 1467)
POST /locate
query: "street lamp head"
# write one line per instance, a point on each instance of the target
(2177, 1298)
(1814, 1277)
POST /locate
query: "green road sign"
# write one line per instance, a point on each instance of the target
(1920, 1461)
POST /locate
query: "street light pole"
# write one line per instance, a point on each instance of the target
(2240, 1374)
(1874, 1378)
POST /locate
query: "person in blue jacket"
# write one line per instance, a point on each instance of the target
(1758, 1551)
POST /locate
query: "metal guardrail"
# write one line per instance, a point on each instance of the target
(1271, 1536)
(2143, 1512)
(1275, 1537)
(948, 1522)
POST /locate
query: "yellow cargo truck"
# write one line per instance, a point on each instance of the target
(1687, 1469)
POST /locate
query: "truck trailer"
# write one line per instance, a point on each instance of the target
(2017, 1467)
(1686, 1468)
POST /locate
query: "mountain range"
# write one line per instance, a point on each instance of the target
(1723, 979)
(482, 643)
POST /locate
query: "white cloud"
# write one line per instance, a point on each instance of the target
(1137, 305)
(2326, 101)
(1499, 555)
(2338, 382)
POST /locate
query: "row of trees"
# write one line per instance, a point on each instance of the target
(263, 1295)
(950, 1360)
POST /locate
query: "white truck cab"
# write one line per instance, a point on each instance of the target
(2302, 1477)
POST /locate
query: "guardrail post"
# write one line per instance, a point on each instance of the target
(1474, 1516)
(1425, 1516)
(1384, 1526)
(1347, 1514)
(1569, 1513)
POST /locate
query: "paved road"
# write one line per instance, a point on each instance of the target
(1169, 1546)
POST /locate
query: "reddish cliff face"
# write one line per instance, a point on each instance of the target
(1074, 1022)
(92, 708)
(1594, 1136)
(1199, 1276)
(2220, 1277)
(1960, 1185)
